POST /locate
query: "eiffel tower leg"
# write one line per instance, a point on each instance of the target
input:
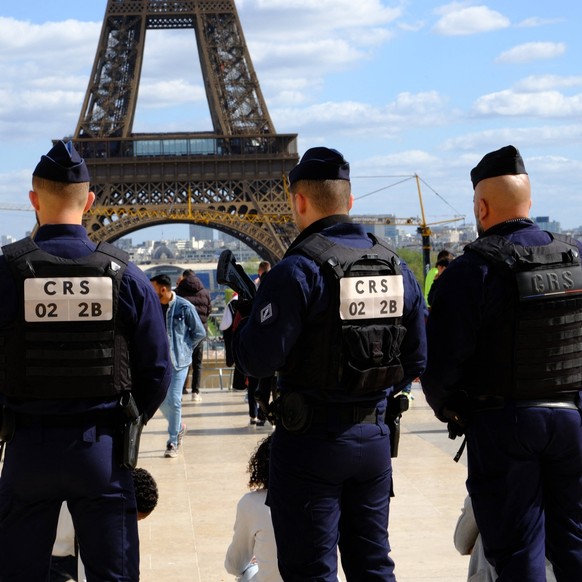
(235, 173)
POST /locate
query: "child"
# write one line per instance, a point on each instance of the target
(252, 554)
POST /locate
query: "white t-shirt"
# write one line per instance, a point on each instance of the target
(253, 537)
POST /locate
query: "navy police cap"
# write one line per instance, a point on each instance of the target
(506, 161)
(320, 164)
(63, 164)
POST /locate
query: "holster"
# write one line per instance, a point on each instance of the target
(131, 431)
(294, 412)
(396, 405)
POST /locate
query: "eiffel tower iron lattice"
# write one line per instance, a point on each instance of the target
(231, 179)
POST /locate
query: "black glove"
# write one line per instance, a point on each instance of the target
(457, 413)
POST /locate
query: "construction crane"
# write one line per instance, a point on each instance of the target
(202, 215)
(423, 227)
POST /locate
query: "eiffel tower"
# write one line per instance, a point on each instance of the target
(231, 179)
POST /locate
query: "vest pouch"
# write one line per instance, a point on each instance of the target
(371, 357)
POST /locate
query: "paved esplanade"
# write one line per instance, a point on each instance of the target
(186, 537)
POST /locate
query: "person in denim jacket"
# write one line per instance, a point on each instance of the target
(185, 332)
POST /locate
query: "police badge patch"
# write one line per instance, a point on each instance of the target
(267, 314)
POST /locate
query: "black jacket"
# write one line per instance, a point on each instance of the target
(192, 289)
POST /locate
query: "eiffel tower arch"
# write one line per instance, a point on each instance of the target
(231, 179)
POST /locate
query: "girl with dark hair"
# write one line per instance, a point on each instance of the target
(252, 554)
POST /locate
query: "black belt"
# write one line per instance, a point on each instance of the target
(346, 414)
(568, 400)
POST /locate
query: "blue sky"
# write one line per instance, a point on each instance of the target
(400, 88)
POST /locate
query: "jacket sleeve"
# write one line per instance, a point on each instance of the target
(242, 547)
(151, 368)
(413, 349)
(452, 329)
(466, 530)
(195, 327)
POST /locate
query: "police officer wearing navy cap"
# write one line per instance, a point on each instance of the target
(80, 330)
(341, 319)
(505, 368)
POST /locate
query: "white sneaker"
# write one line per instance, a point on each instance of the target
(181, 434)
(171, 451)
(196, 397)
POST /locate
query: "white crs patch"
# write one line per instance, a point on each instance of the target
(374, 297)
(61, 299)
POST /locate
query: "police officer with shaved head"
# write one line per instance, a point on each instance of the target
(341, 319)
(81, 338)
(505, 368)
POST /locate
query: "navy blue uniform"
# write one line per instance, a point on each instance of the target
(69, 450)
(524, 460)
(330, 484)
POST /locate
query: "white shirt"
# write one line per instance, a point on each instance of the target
(253, 536)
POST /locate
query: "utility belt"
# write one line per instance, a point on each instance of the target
(297, 414)
(567, 400)
(105, 418)
(124, 418)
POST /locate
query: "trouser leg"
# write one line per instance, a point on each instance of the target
(171, 407)
(196, 366)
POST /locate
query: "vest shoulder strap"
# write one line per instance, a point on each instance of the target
(562, 250)
(116, 260)
(339, 258)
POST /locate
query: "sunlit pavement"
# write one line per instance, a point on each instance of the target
(186, 537)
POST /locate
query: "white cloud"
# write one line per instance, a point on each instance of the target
(544, 136)
(458, 19)
(352, 118)
(71, 43)
(543, 104)
(536, 83)
(536, 21)
(532, 51)
(162, 94)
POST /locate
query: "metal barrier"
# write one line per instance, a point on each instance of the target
(217, 378)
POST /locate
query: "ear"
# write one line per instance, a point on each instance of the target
(90, 200)
(33, 197)
(351, 202)
(482, 209)
(300, 203)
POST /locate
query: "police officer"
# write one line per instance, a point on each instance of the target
(505, 367)
(342, 321)
(80, 330)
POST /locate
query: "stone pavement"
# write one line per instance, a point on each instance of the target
(186, 537)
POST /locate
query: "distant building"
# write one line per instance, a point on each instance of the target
(545, 223)
(199, 232)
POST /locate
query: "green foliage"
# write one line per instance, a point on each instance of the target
(413, 259)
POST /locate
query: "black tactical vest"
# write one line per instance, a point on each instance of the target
(354, 347)
(546, 324)
(66, 340)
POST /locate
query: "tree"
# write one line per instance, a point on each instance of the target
(413, 259)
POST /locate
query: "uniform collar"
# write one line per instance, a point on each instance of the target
(508, 227)
(51, 231)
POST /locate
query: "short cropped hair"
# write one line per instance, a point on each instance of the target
(327, 196)
(162, 280)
